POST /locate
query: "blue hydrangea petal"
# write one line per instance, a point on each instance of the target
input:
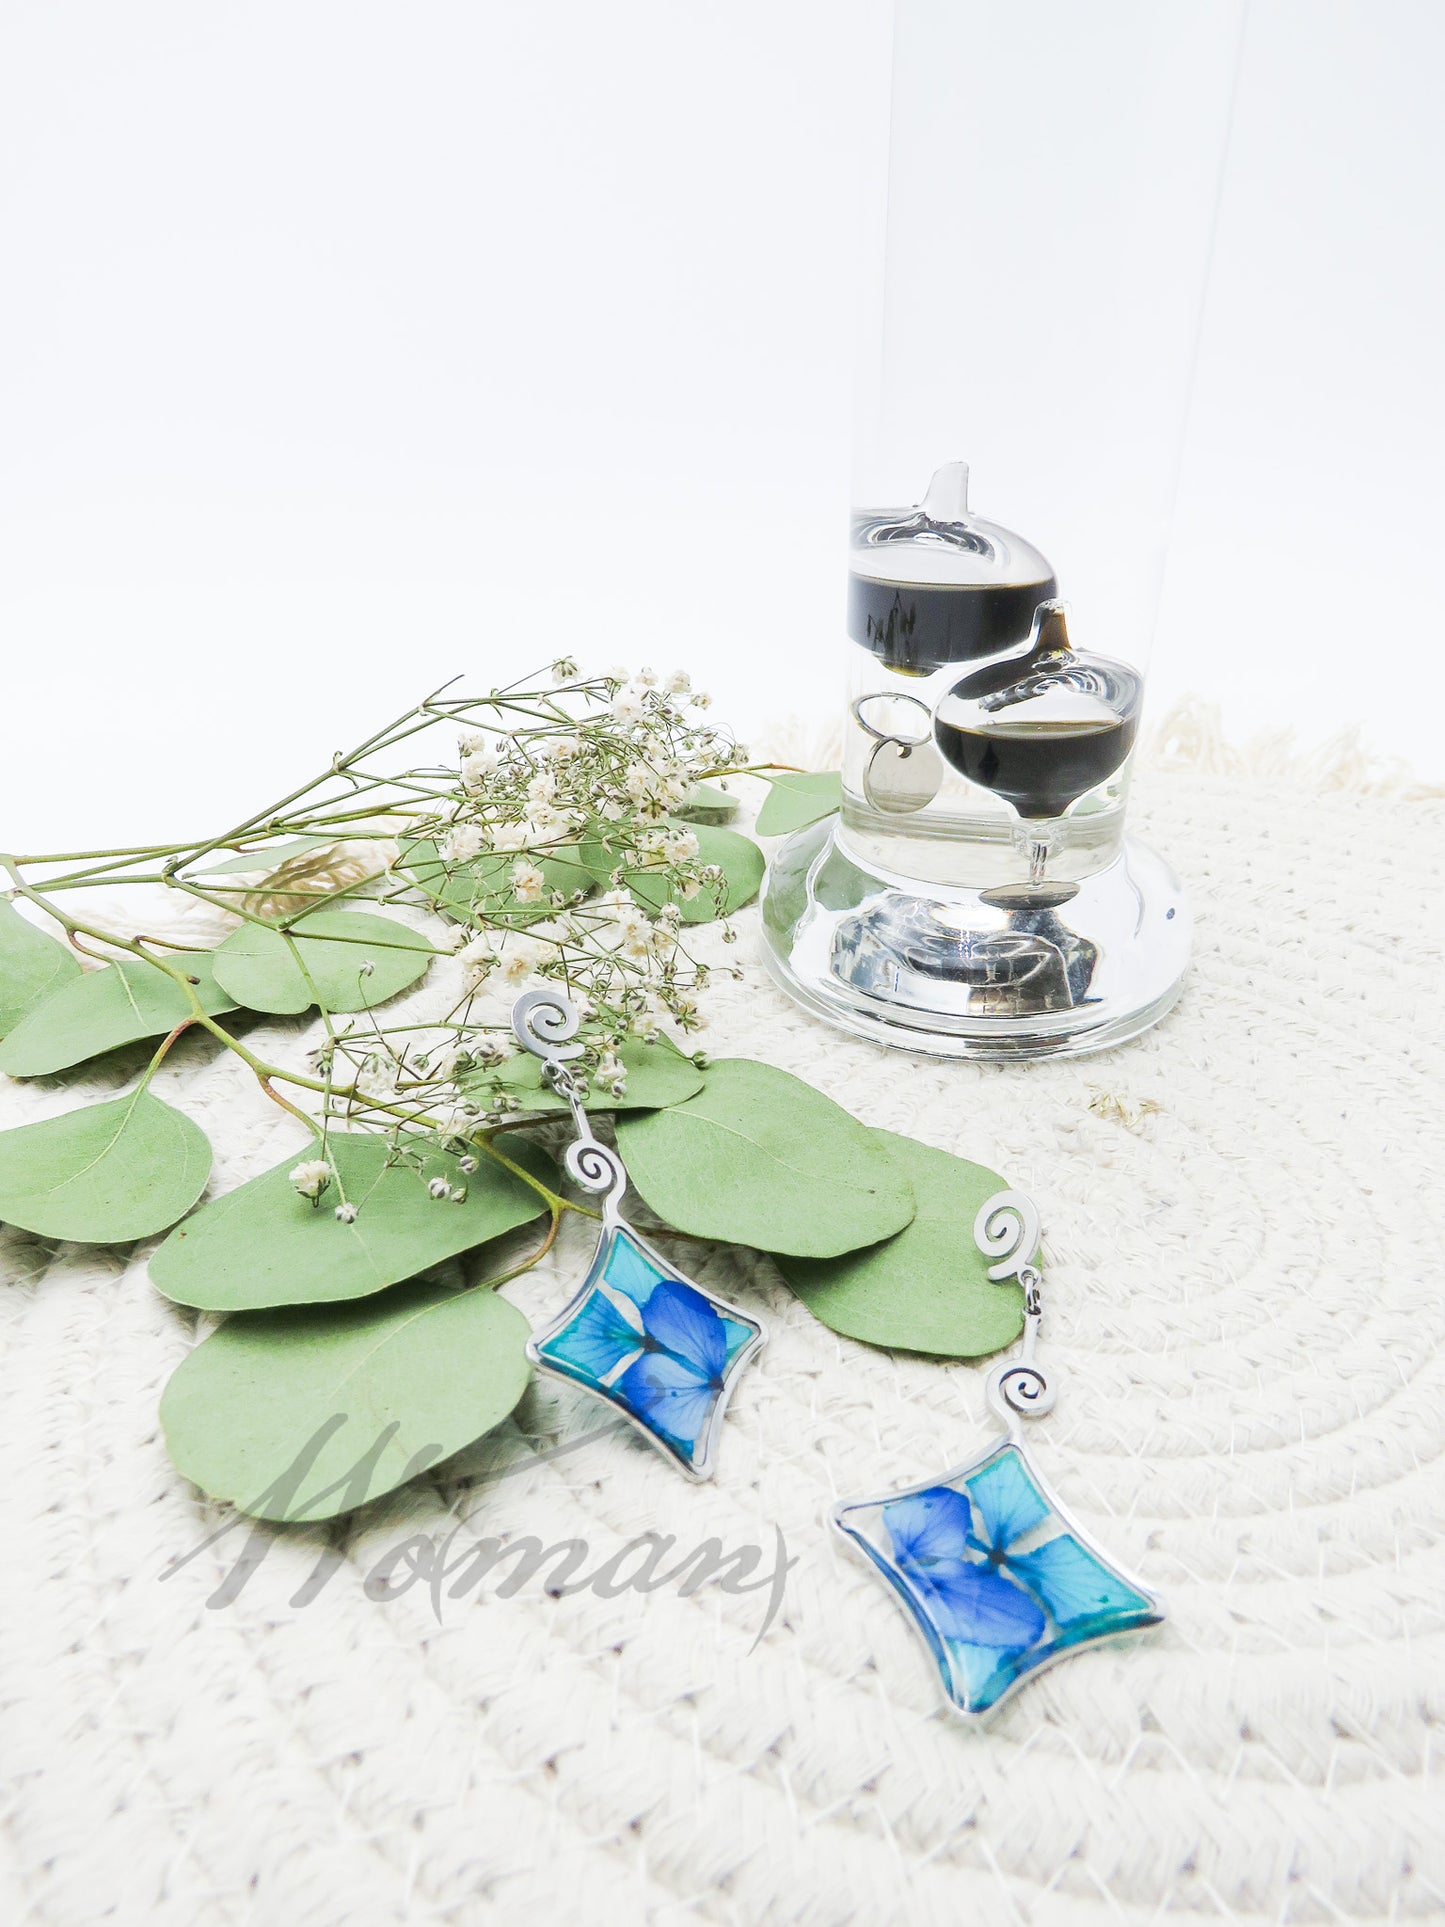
(1009, 1503)
(669, 1397)
(976, 1605)
(594, 1342)
(1076, 1586)
(627, 1269)
(738, 1337)
(929, 1525)
(980, 1674)
(685, 1323)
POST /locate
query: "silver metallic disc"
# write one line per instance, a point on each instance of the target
(902, 777)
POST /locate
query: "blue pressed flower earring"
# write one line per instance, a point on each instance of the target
(639, 1335)
(999, 1579)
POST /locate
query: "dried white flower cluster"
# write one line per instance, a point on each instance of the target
(557, 851)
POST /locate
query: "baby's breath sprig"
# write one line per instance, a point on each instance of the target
(550, 840)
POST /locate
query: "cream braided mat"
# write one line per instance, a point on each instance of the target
(1244, 1297)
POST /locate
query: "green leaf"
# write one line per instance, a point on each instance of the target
(264, 1244)
(32, 966)
(760, 1158)
(708, 804)
(259, 968)
(798, 799)
(657, 1075)
(928, 1288)
(738, 857)
(105, 1008)
(254, 862)
(277, 1407)
(482, 887)
(103, 1175)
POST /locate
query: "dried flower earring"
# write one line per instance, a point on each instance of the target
(639, 1335)
(1000, 1580)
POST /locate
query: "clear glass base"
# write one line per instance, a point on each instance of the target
(945, 971)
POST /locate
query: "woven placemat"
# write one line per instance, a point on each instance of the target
(1243, 1222)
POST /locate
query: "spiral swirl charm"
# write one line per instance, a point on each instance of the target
(1020, 1389)
(1007, 1230)
(545, 1022)
(596, 1168)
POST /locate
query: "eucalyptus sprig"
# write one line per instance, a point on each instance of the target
(562, 785)
(562, 828)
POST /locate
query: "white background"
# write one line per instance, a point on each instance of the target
(344, 347)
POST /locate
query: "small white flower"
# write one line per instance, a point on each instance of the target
(680, 846)
(377, 1078)
(510, 836)
(547, 826)
(701, 699)
(562, 749)
(464, 841)
(542, 788)
(677, 683)
(647, 677)
(468, 1163)
(311, 1177)
(478, 959)
(627, 706)
(481, 757)
(521, 959)
(527, 882)
(346, 1214)
(564, 669)
(439, 1188)
(638, 781)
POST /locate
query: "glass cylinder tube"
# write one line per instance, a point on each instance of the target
(1053, 181)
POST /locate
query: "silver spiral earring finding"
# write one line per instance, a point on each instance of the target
(546, 1024)
(1007, 1230)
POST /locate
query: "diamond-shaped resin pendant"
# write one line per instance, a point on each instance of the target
(653, 1344)
(999, 1579)
(659, 1348)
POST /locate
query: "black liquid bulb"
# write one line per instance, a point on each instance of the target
(1044, 728)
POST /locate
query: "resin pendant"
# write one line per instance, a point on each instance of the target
(660, 1349)
(1000, 1581)
(998, 1578)
(639, 1335)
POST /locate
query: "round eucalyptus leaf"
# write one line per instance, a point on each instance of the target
(797, 799)
(708, 804)
(105, 1008)
(760, 1158)
(304, 1414)
(104, 1175)
(353, 959)
(657, 1075)
(481, 888)
(263, 1244)
(738, 857)
(927, 1289)
(33, 967)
